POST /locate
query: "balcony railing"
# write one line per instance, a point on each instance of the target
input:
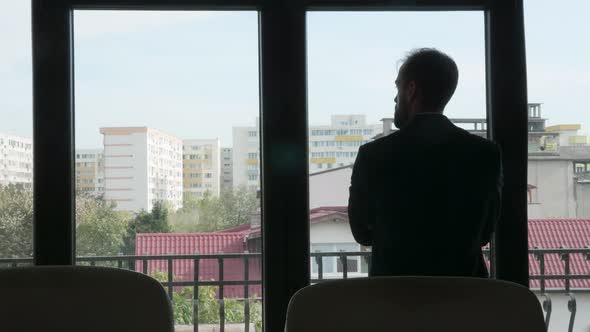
(570, 281)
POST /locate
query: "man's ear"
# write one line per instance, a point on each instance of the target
(411, 90)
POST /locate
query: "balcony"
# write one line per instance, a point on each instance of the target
(226, 296)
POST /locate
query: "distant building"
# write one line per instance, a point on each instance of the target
(201, 167)
(90, 171)
(246, 157)
(330, 146)
(16, 160)
(227, 168)
(142, 166)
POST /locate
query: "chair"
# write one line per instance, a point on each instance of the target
(411, 304)
(82, 299)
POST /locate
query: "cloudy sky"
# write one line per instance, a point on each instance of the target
(195, 74)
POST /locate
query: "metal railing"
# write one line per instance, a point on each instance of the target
(362, 261)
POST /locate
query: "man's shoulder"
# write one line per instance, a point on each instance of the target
(380, 143)
(477, 141)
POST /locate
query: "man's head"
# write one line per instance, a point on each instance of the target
(425, 82)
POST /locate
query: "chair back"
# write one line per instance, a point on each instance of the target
(415, 304)
(82, 298)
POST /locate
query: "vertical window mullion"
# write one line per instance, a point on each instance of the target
(53, 134)
(507, 106)
(284, 157)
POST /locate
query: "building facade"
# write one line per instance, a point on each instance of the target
(142, 166)
(201, 167)
(330, 146)
(246, 157)
(227, 168)
(337, 144)
(16, 160)
(90, 171)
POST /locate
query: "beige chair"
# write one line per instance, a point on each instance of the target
(82, 299)
(412, 304)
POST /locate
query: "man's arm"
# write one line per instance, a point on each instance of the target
(494, 202)
(361, 212)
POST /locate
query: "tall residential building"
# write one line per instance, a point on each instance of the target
(90, 171)
(142, 166)
(331, 145)
(337, 144)
(201, 167)
(227, 168)
(246, 157)
(16, 160)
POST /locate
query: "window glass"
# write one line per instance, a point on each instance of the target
(161, 98)
(353, 59)
(16, 144)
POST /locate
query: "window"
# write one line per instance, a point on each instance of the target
(145, 92)
(16, 132)
(332, 265)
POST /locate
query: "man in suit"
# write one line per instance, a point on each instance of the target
(426, 197)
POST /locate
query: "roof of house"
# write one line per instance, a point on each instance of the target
(201, 243)
(544, 233)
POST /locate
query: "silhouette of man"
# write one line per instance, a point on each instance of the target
(426, 197)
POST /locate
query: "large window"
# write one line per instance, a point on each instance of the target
(353, 59)
(158, 96)
(558, 156)
(16, 142)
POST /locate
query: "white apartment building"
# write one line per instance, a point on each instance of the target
(332, 145)
(16, 159)
(201, 167)
(246, 157)
(90, 171)
(227, 168)
(142, 166)
(337, 144)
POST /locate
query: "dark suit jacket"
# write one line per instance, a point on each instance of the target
(426, 198)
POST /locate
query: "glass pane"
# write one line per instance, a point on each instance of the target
(163, 100)
(558, 190)
(353, 61)
(16, 144)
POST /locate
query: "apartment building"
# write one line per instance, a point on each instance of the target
(227, 168)
(330, 145)
(141, 167)
(201, 167)
(246, 157)
(90, 171)
(337, 144)
(16, 160)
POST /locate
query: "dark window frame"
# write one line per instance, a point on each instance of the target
(284, 127)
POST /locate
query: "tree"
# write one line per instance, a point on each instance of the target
(232, 208)
(238, 206)
(155, 221)
(16, 221)
(100, 230)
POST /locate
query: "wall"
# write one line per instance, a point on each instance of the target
(126, 179)
(560, 315)
(329, 188)
(555, 187)
(330, 232)
(583, 200)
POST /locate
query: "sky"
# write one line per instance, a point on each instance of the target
(195, 74)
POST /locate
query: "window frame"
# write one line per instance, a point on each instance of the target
(284, 128)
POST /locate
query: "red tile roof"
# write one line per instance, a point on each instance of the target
(202, 243)
(553, 234)
(545, 233)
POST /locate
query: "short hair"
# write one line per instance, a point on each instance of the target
(435, 74)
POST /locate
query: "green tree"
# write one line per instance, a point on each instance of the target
(16, 221)
(155, 221)
(238, 206)
(209, 213)
(100, 230)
